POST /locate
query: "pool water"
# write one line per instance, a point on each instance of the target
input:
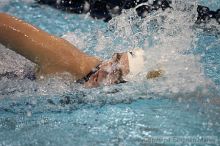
(184, 103)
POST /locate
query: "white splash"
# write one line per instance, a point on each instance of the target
(168, 37)
(18, 86)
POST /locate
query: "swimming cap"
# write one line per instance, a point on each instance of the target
(136, 61)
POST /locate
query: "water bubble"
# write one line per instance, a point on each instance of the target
(151, 1)
(29, 113)
(86, 6)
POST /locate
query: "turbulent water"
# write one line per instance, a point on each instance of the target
(169, 40)
(187, 53)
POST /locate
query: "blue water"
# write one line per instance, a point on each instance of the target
(125, 114)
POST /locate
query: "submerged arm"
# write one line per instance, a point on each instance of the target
(50, 53)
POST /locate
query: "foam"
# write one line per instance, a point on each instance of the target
(166, 38)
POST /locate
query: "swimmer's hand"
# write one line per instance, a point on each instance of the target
(155, 74)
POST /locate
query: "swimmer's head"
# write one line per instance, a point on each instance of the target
(110, 72)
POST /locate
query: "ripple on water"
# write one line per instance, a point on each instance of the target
(56, 111)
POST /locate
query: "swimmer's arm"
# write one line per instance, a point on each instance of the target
(50, 53)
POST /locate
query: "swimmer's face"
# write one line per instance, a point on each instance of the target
(110, 72)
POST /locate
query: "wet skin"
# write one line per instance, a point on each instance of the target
(110, 72)
(53, 55)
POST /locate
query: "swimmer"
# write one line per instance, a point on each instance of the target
(55, 55)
